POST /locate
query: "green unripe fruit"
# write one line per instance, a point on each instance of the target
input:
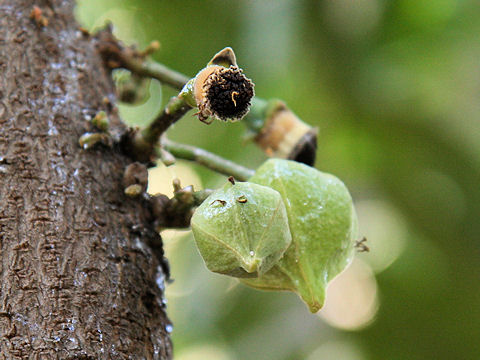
(323, 225)
(241, 229)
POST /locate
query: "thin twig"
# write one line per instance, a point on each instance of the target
(175, 109)
(116, 55)
(142, 143)
(207, 159)
(154, 70)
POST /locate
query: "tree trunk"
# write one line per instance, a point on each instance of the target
(78, 278)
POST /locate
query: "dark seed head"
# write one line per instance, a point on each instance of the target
(306, 149)
(226, 94)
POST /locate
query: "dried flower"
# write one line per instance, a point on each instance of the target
(220, 90)
(222, 93)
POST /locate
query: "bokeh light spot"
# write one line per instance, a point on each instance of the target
(352, 301)
(385, 230)
(160, 178)
(336, 350)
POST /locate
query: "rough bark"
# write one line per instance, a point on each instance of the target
(78, 279)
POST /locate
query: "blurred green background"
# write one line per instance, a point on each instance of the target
(394, 87)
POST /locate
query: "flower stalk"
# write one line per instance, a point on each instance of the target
(207, 159)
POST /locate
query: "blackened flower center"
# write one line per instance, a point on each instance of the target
(228, 93)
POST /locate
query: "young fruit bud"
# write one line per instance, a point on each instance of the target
(220, 90)
(131, 88)
(101, 121)
(323, 225)
(241, 229)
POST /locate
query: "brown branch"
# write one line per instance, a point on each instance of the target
(116, 55)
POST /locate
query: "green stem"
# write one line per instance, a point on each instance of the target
(175, 109)
(207, 159)
(142, 143)
(156, 71)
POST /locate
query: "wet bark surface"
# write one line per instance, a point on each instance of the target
(77, 278)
